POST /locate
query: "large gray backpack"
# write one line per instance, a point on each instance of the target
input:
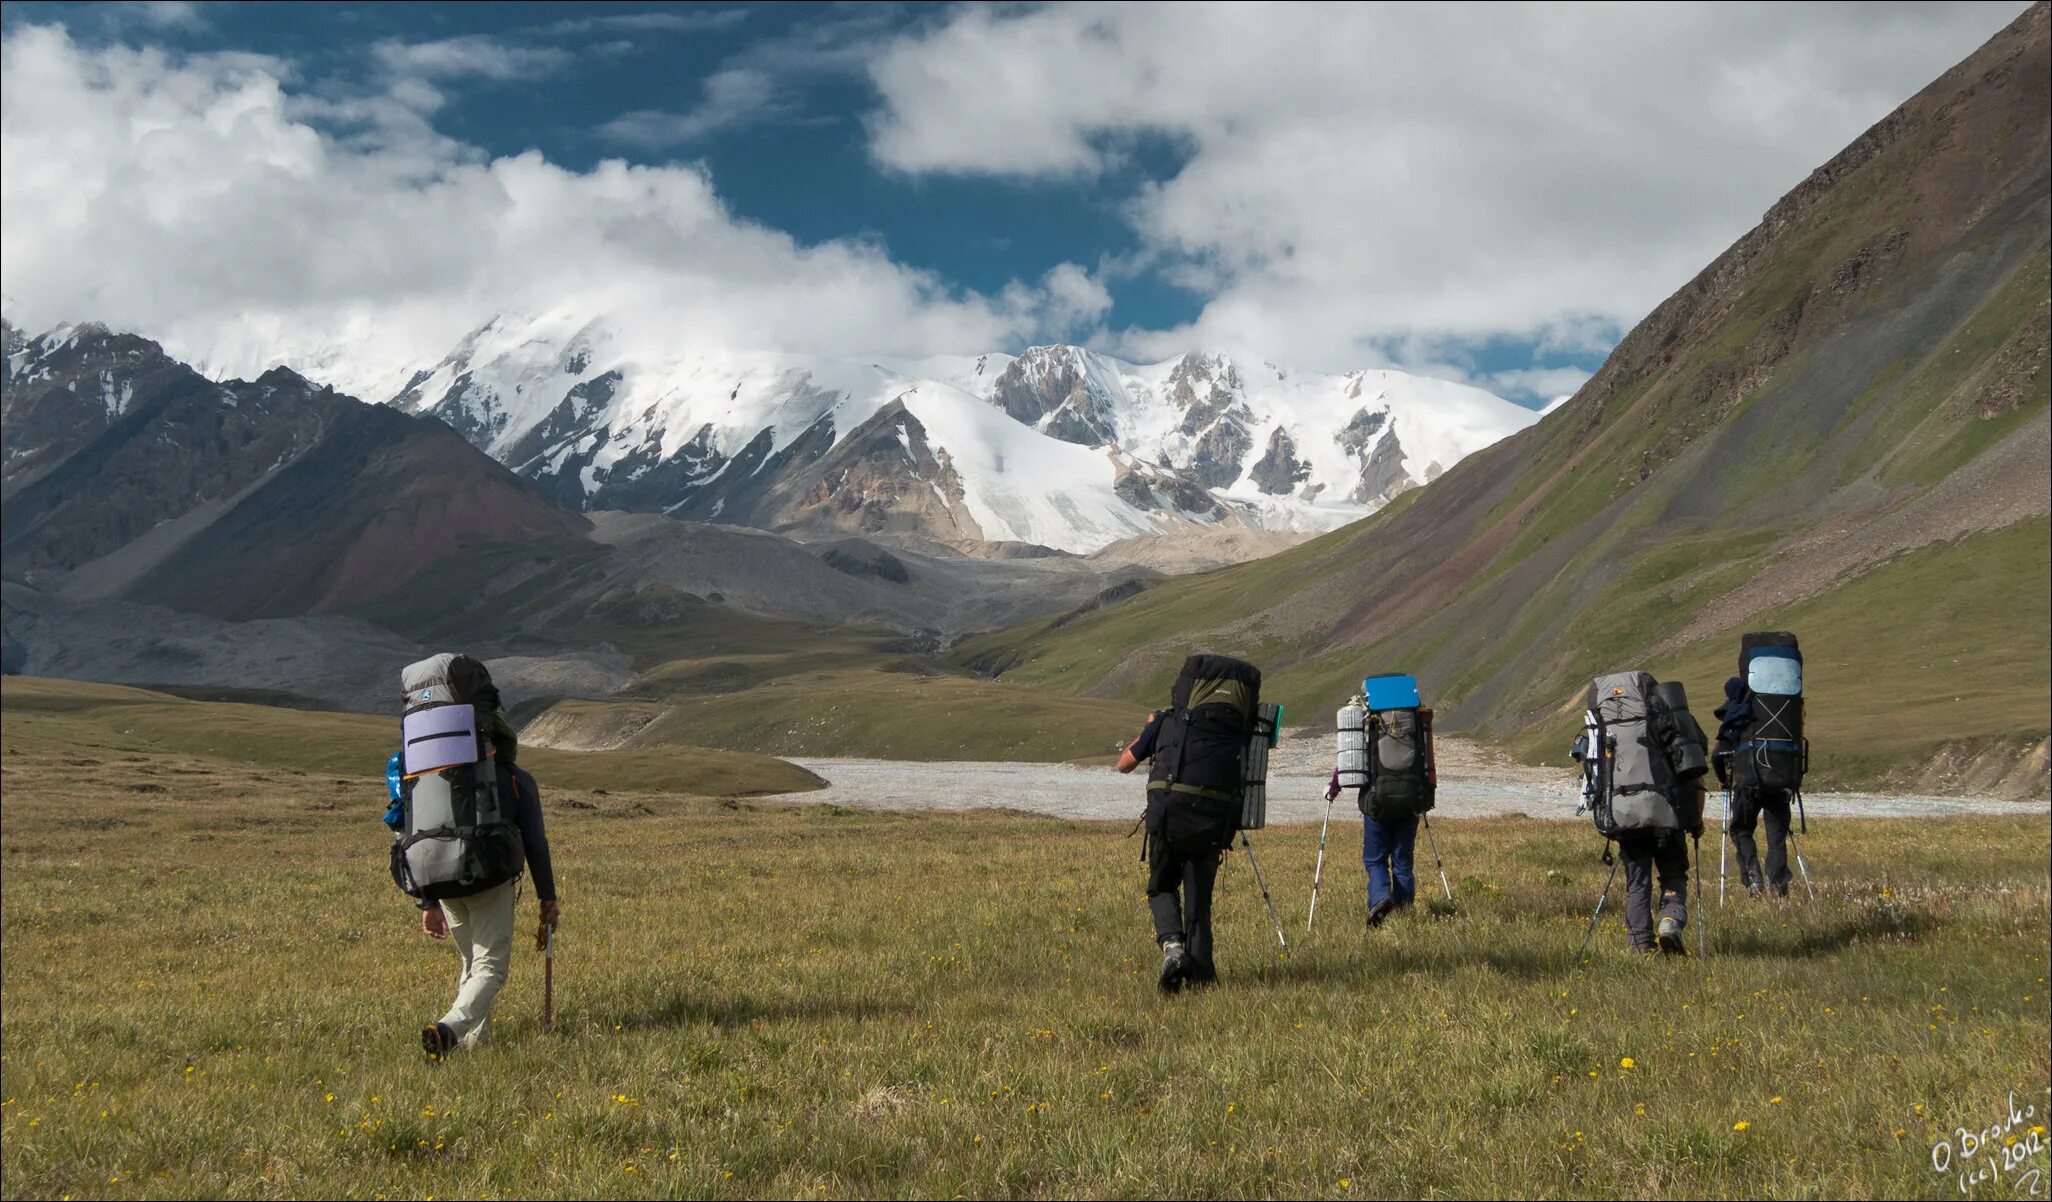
(1641, 753)
(455, 838)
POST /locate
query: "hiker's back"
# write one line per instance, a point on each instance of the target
(454, 837)
(1197, 782)
(1402, 780)
(1771, 753)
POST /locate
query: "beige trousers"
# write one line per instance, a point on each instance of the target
(481, 930)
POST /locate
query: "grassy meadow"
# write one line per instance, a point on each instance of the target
(211, 988)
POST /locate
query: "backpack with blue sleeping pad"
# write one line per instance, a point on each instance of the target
(1770, 751)
(1402, 774)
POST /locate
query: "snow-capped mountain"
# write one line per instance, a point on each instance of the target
(1059, 446)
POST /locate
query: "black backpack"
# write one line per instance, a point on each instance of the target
(1195, 787)
(1771, 752)
(1402, 781)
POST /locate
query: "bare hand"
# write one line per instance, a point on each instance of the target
(434, 922)
(551, 912)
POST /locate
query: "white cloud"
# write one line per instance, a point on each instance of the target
(733, 96)
(159, 14)
(695, 21)
(1068, 305)
(1537, 381)
(192, 200)
(1367, 181)
(763, 81)
(473, 55)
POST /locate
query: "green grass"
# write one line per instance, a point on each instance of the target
(1966, 666)
(210, 990)
(97, 720)
(877, 713)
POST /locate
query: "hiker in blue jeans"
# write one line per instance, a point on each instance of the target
(1386, 848)
(1386, 852)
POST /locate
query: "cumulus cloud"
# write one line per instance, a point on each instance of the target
(200, 201)
(1361, 182)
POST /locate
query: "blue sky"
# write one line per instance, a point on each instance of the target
(1493, 197)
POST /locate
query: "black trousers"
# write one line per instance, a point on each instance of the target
(1749, 806)
(1179, 884)
(1645, 854)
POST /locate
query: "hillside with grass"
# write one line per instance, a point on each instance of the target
(1839, 427)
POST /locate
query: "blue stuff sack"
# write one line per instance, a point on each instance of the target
(395, 813)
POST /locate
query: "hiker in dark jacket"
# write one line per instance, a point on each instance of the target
(480, 926)
(1179, 887)
(1751, 805)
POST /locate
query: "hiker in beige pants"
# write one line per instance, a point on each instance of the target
(480, 927)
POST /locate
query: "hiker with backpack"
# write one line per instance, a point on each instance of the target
(469, 820)
(1385, 754)
(1761, 754)
(1643, 759)
(1197, 750)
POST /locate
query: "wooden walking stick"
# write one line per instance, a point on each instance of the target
(548, 942)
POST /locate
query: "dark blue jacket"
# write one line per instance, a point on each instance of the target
(522, 803)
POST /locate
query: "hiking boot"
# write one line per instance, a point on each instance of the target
(1175, 965)
(437, 1041)
(1753, 889)
(1671, 937)
(1379, 911)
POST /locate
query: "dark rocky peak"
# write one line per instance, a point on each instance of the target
(1279, 471)
(1360, 429)
(82, 348)
(1051, 387)
(1042, 380)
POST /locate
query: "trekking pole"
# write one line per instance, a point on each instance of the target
(1318, 873)
(1434, 845)
(548, 977)
(1723, 845)
(1802, 867)
(1702, 915)
(1261, 883)
(1599, 912)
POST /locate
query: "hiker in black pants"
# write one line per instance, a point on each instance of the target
(1750, 805)
(1180, 879)
(1666, 853)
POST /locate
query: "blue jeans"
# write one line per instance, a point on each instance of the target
(1386, 852)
